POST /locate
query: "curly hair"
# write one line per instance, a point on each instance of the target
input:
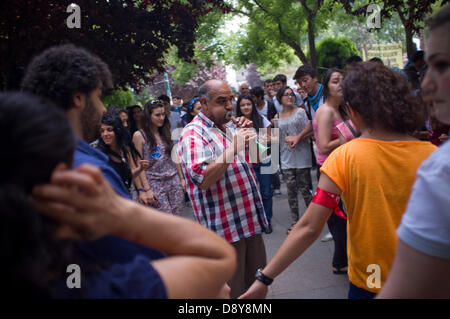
(60, 71)
(382, 98)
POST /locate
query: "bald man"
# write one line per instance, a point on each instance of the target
(244, 89)
(222, 185)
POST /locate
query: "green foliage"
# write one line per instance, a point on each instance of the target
(132, 37)
(332, 52)
(120, 98)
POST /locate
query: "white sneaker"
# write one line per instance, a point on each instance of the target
(327, 237)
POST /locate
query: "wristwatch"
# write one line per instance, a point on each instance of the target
(263, 278)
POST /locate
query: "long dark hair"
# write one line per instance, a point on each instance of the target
(255, 116)
(37, 137)
(123, 139)
(132, 123)
(164, 130)
(326, 90)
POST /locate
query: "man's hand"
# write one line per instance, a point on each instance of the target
(256, 291)
(242, 122)
(83, 202)
(242, 137)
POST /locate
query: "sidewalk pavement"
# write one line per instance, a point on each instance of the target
(310, 276)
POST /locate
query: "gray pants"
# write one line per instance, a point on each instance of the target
(297, 178)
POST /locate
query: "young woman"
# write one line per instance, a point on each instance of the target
(247, 107)
(295, 160)
(326, 120)
(422, 261)
(373, 173)
(194, 107)
(123, 115)
(124, 158)
(44, 227)
(134, 118)
(154, 142)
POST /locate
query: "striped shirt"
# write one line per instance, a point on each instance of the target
(231, 207)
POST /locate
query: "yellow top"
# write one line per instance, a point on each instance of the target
(376, 178)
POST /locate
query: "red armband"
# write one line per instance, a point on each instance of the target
(326, 199)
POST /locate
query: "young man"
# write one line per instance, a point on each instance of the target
(278, 82)
(74, 79)
(268, 90)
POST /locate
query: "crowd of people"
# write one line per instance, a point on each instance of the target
(104, 188)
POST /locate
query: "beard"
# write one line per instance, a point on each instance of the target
(90, 122)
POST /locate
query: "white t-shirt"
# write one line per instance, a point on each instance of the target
(425, 225)
(264, 110)
(266, 122)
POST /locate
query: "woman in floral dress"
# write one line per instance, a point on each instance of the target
(154, 142)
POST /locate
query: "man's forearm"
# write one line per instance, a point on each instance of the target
(216, 169)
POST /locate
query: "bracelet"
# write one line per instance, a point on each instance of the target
(263, 278)
(143, 190)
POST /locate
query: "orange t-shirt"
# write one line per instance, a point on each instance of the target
(376, 178)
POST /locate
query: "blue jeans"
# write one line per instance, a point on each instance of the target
(359, 293)
(265, 187)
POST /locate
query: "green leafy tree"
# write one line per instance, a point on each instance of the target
(279, 28)
(412, 14)
(332, 52)
(121, 98)
(132, 37)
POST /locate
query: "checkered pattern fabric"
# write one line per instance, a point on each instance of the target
(232, 207)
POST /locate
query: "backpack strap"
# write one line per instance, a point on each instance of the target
(354, 132)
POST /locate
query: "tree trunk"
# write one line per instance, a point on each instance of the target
(312, 44)
(410, 46)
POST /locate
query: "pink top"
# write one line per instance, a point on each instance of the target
(334, 135)
(345, 130)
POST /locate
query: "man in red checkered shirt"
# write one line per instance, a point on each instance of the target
(221, 183)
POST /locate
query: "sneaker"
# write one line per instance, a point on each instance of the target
(269, 229)
(276, 192)
(327, 237)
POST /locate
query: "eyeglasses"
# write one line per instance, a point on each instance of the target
(292, 94)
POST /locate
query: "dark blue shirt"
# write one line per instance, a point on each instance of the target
(123, 260)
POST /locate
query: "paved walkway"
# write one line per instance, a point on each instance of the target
(310, 276)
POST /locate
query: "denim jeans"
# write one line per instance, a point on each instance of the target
(265, 187)
(359, 293)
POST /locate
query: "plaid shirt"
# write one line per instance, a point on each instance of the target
(232, 207)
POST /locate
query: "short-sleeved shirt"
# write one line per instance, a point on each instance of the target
(109, 250)
(375, 178)
(425, 225)
(134, 280)
(231, 207)
(300, 155)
